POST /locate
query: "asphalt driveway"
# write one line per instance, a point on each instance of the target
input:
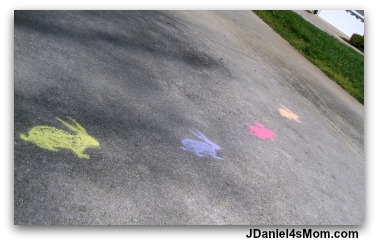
(178, 118)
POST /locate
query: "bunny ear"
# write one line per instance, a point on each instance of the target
(258, 123)
(78, 126)
(67, 124)
(200, 135)
(197, 133)
(287, 109)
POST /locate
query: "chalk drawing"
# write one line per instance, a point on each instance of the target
(201, 148)
(54, 139)
(285, 112)
(262, 132)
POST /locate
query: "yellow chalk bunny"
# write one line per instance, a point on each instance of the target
(54, 139)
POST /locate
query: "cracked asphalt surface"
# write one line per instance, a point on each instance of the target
(140, 82)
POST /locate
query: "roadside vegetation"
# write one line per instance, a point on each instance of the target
(337, 60)
(357, 41)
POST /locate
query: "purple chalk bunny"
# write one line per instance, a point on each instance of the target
(200, 148)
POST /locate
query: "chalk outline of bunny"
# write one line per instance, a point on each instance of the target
(259, 126)
(54, 139)
(212, 147)
(292, 115)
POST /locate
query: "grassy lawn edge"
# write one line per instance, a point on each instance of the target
(338, 61)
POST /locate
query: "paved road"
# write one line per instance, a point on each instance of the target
(200, 118)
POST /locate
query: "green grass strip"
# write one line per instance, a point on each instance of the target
(337, 60)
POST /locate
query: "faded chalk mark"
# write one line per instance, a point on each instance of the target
(285, 112)
(53, 139)
(200, 148)
(262, 132)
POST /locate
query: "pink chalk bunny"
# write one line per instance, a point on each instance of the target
(261, 131)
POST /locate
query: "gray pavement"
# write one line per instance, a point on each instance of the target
(140, 83)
